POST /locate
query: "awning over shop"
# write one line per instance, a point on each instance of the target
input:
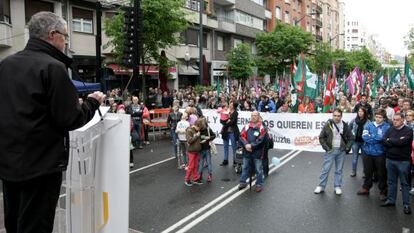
(149, 70)
(86, 87)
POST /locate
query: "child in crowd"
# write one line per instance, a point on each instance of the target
(182, 126)
(224, 112)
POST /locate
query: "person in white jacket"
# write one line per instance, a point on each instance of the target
(182, 126)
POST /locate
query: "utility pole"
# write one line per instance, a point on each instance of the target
(98, 44)
(200, 38)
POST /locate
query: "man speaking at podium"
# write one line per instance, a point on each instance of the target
(39, 105)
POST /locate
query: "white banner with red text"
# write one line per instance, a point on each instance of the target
(292, 131)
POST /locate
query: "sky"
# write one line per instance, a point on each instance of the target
(390, 20)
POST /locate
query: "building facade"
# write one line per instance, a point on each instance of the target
(355, 35)
(331, 18)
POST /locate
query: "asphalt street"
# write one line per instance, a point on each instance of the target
(160, 202)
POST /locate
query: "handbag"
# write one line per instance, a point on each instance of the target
(213, 148)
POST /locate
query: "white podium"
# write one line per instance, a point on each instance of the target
(97, 178)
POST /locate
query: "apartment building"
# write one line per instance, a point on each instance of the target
(226, 23)
(331, 19)
(304, 13)
(355, 35)
(81, 18)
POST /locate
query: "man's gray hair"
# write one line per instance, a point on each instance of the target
(43, 22)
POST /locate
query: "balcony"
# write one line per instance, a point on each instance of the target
(227, 25)
(319, 9)
(5, 35)
(193, 17)
(318, 23)
(268, 14)
(318, 38)
(225, 2)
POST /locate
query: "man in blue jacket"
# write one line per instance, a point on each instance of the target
(266, 104)
(252, 138)
(374, 154)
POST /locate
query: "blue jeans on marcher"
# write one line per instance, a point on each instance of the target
(356, 146)
(397, 169)
(174, 141)
(136, 133)
(329, 158)
(205, 155)
(230, 138)
(246, 170)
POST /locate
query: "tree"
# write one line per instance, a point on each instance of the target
(162, 21)
(279, 48)
(394, 62)
(322, 59)
(363, 59)
(240, 62)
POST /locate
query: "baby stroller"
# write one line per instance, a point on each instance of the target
(238, 162)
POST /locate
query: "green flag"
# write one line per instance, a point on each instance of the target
(311, 84)
(379, 76)
(408, 74)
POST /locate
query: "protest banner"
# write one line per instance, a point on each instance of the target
(292, 131)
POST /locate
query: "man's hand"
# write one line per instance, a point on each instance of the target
(249, 147)
(99, 96)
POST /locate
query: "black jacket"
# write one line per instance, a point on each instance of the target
(231, 124)
(39, 106)
(398, 143)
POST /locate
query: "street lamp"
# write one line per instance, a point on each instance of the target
(332, 38)
(187, 58)
(297, 21)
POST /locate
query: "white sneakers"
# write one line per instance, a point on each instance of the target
(320, 189)
(338, 191)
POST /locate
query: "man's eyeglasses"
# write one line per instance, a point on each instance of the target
(63, 34)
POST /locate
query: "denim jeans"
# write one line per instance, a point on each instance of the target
(174, 138)
(205, 155)
(246, 170)
(397, 169)
(356, 146)
(329, 158)
(230, 138)
(136, 133)
(182, 153)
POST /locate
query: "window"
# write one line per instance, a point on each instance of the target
(287, 17)
(354, 30)
(260, 2)
(308, 10)
(109, 15)
(249, 20)
(5, 11)
(278, 14)
(32, 7)
(308, 28)
(82, 20)
(195, 5)
(220, 43)
(191, 37)
(237, 42)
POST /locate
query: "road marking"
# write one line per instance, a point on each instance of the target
(228, 200)
(151, 165)
(210, 204)
(139, 169)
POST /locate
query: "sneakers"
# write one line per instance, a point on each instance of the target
(319, 189)
(224, 163)
(258, 189)
(146, 142)
(353, 174)
(198, 182)
(188, 183)
(209, 178)
(338, 191)
(407, 209)
(242, 186)
(387, 203)
(363, 191)
(131, 165)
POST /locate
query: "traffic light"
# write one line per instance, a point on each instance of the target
(130, 57)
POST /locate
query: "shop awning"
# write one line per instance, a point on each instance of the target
(86, 87)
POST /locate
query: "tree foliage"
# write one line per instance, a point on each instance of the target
(162, 22)
(278, 48)
(240, 62)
